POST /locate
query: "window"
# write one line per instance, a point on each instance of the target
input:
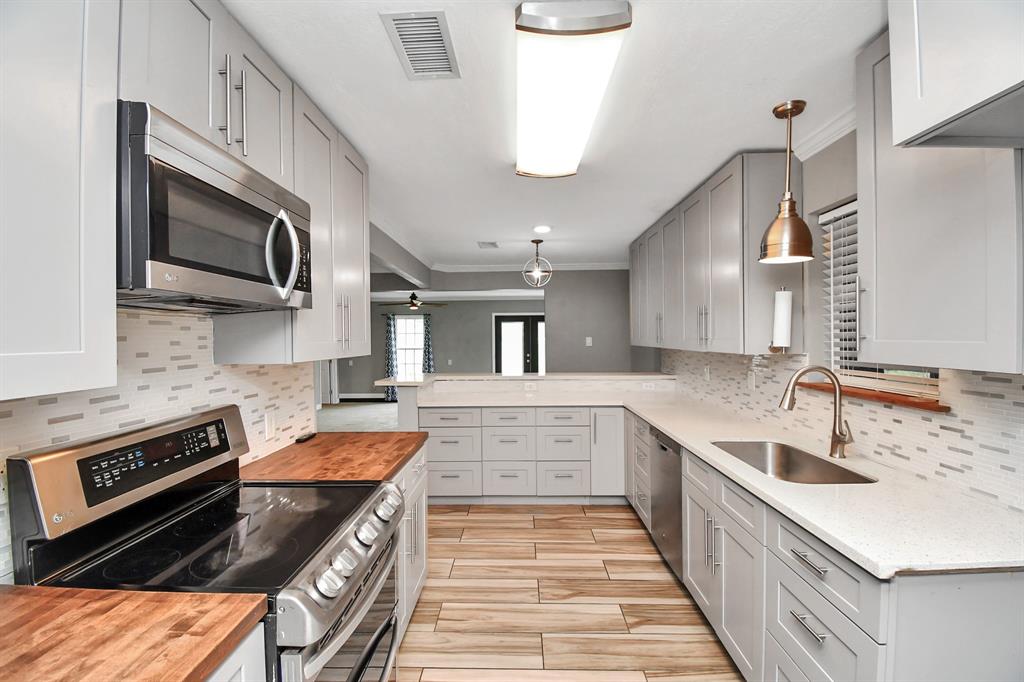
(841, 284)
(519, 344)
(409, 347)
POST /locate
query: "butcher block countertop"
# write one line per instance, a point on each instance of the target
(59, 633)
(348, 456)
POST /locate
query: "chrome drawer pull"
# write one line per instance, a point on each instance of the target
(504, 419)
(563, 416)
(820, 638)
(806, 561)
(451, 475)
(449, 419)
(563, 476)
(507, 441)
(708, 552)
(449, 442)
(508, 475)
(563, 440)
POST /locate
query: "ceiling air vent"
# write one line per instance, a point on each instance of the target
(487, 245)
(423, 44)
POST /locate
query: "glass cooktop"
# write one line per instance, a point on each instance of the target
(252, 539)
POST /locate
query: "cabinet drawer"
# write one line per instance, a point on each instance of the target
(563, 416)
(509, 416)
(643, 459)
(852, 590)
(643, 500)
(509, 443)
(822, 642)
(563, 443)
(700, 473)
(449, 416)
(455, 479)
(413, 471)
(510, 478)
(563, 478)
(642, 429)
(746, 509)
(453, 445)
(778, 666)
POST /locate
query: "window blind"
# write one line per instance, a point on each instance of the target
(841, 284)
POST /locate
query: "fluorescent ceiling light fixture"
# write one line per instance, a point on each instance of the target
(542, 229)
(565, 52)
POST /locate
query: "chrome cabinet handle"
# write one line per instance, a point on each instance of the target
(707, 545)
(505, 419)
(293, 239)
(449, 419)
(244, 139)
(451, 476)
(714, 549)
(802, 619)
(563, 440)
(593, 426)
(449, 442)
(226, 72)
(563, 475)
(508, 475)
(563, 416)
(708, 325)
(508, 441)
(820, 571)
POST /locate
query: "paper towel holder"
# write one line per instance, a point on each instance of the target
(772, 348)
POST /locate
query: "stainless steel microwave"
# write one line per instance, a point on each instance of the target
(199, 229)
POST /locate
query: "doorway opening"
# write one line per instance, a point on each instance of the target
(518, 344)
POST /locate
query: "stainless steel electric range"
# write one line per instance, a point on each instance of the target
(163, 508)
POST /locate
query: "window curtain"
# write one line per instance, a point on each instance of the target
(428, 347)
(390, 356)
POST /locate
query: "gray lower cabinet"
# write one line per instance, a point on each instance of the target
(58, 82)
(412, 565)
(247, 663)
(778, 666)
(933, 293)
(510, 478)
(697, 555)
(455, 479)
(563, 479)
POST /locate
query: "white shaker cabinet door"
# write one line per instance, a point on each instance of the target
(693, 213)
(261, 110)
(738, 564)
(939, 243)
(655, 282)
(607, 451)
(172, 55)
(352, 250)
(318, 330)
(58, 62)
(697, 552)
(724, 323)
(674, 311)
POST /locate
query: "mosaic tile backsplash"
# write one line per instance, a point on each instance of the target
(164, 369)
(978, 446)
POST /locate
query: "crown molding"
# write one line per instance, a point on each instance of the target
(814, 142)
(429, 295)
(442, 267)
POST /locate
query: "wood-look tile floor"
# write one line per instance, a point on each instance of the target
(553, 593)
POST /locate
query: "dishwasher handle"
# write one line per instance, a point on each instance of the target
(665, 443)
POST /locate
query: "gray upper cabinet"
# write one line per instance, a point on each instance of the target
(262, 110)
(634, 294)
(700, 285)
(352, 251)
(172, 53)
(58, 71)
(957, 73)
(194, 62)
(939, 243)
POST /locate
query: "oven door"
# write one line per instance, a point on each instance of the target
(363, 650)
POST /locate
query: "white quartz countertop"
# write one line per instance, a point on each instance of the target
(900, 524)
(531, 378)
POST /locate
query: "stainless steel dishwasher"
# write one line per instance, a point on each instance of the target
(667, 500)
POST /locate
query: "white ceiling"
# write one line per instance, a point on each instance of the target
(694, 84)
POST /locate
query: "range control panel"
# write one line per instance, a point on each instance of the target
(116, 472)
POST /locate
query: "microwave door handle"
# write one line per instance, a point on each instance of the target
(293, 238)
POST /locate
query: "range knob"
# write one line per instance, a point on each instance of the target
(345, 563)
(367, 534)
(394, 499)
(329, 583)
(385, 511)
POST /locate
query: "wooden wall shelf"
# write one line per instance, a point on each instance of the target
(911, 401)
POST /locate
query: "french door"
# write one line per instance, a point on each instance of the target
(519, 344)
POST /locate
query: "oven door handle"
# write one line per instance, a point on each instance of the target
(293, 239)
(366, 655)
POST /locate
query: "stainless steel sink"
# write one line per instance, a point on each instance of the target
(787, 463)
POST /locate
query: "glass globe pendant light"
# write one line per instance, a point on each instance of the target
(787, 239)
(537, 271)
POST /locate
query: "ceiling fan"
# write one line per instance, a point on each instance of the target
(414, 303)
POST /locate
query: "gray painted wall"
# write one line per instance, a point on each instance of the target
(595, 303)
(830, 180)
(461, 333)
(396, 258)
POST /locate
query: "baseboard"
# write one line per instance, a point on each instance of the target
(503, 499)
(361, 398)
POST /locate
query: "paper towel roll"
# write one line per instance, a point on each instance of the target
(783, 323)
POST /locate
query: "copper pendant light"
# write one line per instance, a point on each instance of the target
(787, 239)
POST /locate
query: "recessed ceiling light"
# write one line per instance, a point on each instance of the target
(565, 53)
(542, 229)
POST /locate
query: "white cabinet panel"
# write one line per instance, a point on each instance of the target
(635, 315)
(563, 443)
(724, 322)
(563, 479)
(171, 54)
(510, 478)
(454, 445)
(954, 59)
(939, 243)
(607, 451)
(455, 479)
(655, 282)
(695, 267)
(247, 663)
(352, 253)
(674, 311)
(738, 564)
(697, 555)
(58, 63)
(509, 443)
(262, 110)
